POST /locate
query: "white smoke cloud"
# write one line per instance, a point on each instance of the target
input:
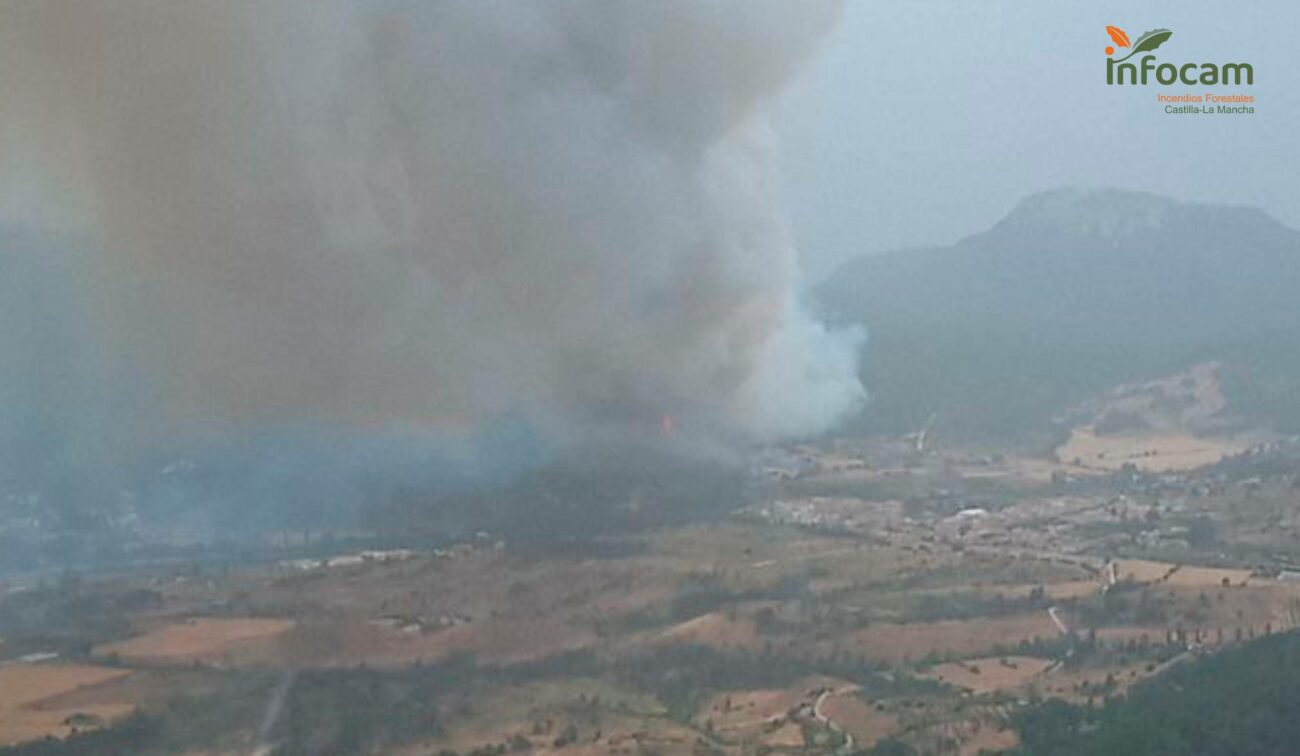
(400, 211)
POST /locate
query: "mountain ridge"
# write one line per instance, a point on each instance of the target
(1134, 284)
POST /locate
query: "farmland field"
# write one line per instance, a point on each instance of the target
(204, 639)
(26, 709)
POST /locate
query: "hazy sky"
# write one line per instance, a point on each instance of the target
(925, 121)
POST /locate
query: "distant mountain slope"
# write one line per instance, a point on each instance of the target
(1240, 701)
(1073, 292)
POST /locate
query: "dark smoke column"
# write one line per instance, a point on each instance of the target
(406, 211)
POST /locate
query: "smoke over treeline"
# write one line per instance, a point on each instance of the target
(248, 215)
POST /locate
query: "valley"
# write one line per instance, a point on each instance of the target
(876, 596)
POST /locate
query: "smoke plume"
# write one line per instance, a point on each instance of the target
(389, 211)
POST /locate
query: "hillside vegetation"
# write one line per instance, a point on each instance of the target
(1241, 701)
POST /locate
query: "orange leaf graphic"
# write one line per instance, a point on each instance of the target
(1118, 35)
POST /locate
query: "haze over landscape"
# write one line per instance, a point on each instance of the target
(923, 123)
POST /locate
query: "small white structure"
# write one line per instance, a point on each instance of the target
(38, 657)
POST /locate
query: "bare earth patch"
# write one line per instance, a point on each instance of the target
(990, 674)
(788, 737)
(348, 643)
(1151, 452)
(23, 688)
(1073, 684)
(1144, 571)
(204, 639)
(748, 713)
(859, 718)
(713, 629)
(904, 642)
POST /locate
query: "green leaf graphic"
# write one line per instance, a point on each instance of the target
(1148, 42)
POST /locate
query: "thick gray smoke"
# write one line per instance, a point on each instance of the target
(418, 212)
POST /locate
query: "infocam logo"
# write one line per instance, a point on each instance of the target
(1118, 72)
